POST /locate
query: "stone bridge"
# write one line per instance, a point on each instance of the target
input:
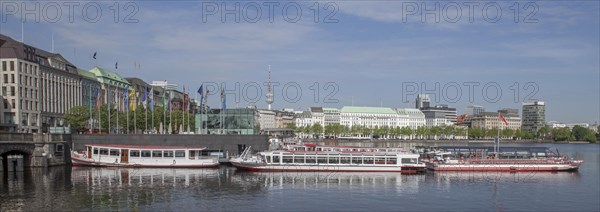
(19, 150)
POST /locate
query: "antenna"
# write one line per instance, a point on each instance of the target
(22, 32)
(269, 91)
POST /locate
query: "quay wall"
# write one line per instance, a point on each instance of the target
(230, 144)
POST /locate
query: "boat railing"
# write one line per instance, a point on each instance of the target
(517, 161)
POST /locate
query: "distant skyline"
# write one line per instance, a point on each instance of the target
(371, 53)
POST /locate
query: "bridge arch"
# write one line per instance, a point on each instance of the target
(26, 150)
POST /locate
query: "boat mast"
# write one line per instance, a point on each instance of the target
(498, 137)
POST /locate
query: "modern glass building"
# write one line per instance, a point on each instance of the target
(237, 121)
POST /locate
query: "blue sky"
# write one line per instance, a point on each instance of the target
(374, 49)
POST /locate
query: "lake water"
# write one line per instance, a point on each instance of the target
(225, 189)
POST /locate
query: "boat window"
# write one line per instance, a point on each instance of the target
(334, 160)
(157, 154)
(345, 160)
(95, 151)
(168, 154)
(134, 153)
(146, 153)
(409, 160)
(392, 161)
(310, 159)
(322, 159)
(275, 159)
(287, 159)
(379, 160)
(357, 160)
(368, 160)
(179, 153)
(114, 152)
(298, 159)
(104, 151)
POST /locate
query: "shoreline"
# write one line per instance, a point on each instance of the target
(325, 141)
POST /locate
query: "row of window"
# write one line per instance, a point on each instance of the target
(24, 68)
(142, 153)
(312, 159)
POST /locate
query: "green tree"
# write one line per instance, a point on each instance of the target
(507, 133)
(316, 129)
(561, 134)
(78, 118)
(543, 132)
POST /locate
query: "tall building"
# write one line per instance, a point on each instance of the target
(534, 116)
(38, 87)
(474, 110)
(422, 101)
(110, 82)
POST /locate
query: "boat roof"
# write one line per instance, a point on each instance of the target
(122, 146)
(357, 147)
(502, 149)
(342, 152)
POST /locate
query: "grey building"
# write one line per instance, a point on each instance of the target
(534, 116)
(90, 88)
(447, 112)
(235, 121)
(474, 110)
(422, 101)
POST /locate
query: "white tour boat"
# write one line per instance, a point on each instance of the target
(144, 156)
(286, 160)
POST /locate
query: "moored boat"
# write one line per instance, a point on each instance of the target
(144, 156)
(510, 159)
(331, 161)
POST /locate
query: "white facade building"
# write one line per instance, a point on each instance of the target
(411, 117)
(368, 116)
(266, 119)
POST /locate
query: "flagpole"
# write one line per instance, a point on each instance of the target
(108, 100)
(90, 103)
(117, 104)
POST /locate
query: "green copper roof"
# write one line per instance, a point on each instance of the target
(378, 110)
(86, 74)
(104, 74)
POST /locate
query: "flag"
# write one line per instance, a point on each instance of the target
(133, 95)
(117, 65)
(144, 98)
(223, 106)
(117, 98)
(502, 118)
(201, 96)
(94, 55)
(151, 99)
(126, 99)
(98, 99)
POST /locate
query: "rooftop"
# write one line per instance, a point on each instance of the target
(377, 110)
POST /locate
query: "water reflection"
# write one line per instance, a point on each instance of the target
(337, 180)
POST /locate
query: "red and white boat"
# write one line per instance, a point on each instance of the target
(510, 159)
(328, 161)
(144, 156)
(314, 147)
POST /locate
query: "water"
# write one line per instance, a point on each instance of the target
(225, 189)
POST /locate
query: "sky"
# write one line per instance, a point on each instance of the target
(337, 53)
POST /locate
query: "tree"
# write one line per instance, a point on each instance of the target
(507, 133)
(78, 118)
(561, 134)
(316, 129)
(583, 134)
(543, 132)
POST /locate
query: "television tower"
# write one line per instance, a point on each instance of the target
(269, 91)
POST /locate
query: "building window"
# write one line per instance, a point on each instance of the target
(12, 78)
(5, 78)
(4, 66)
(12, 65)
(12, 90)
(13, 103)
